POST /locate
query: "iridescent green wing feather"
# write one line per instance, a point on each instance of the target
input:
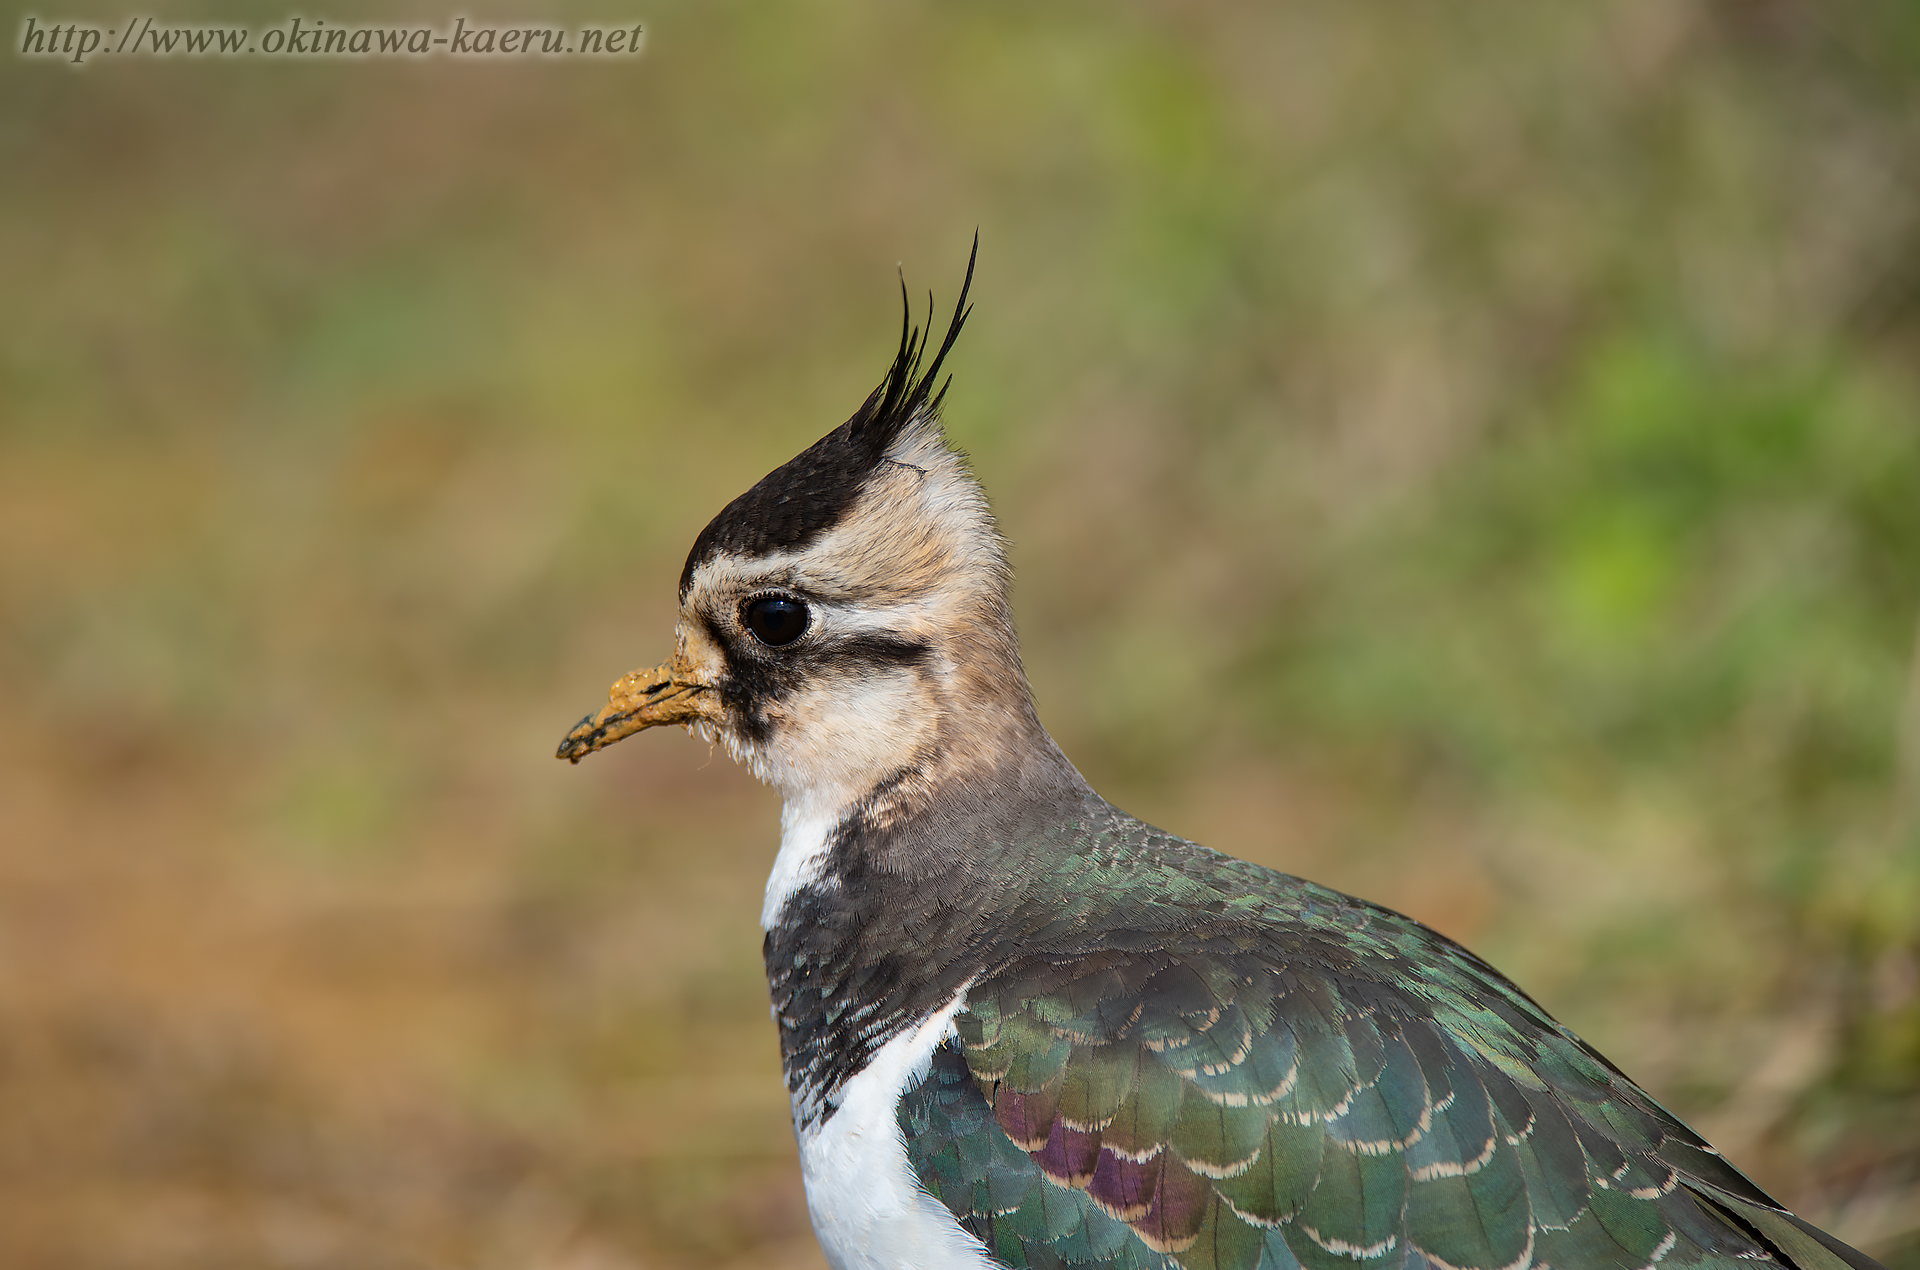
(1295, 1100)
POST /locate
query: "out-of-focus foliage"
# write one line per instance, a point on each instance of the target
(1469, 455)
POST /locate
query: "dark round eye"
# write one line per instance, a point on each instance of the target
(776, 620)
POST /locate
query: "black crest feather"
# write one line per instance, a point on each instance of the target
(807, 495)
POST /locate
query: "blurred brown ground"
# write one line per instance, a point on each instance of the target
(1471, 458)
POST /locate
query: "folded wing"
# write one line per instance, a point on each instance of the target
(1229, 1108)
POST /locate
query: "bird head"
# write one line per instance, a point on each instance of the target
(844, 625)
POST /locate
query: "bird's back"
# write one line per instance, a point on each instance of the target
(1180, 1058)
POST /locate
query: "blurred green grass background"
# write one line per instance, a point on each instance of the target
(1469, 455)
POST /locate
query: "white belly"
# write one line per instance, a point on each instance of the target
(868, 1209)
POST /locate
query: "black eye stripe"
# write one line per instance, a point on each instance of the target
(751, 682)
(875, 650)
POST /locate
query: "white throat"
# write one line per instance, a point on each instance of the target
(806, 836)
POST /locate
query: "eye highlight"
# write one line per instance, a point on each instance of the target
(775, 620)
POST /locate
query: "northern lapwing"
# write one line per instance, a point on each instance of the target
(1022, 1028)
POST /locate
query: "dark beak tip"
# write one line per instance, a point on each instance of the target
(576, 743)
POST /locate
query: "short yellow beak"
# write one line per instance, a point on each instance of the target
(643, 699)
